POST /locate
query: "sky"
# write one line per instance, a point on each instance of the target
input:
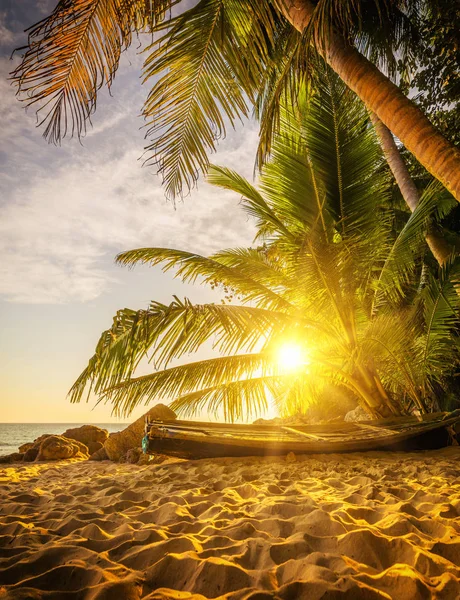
(67, 211)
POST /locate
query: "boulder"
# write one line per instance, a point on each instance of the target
(39, 440)
(31, 454)
(57, 447)
(144, 459)
(119, 443)
(100, 454)
(132, 456)
(94, 447)
(358, 414)
(11, 458)
(26, 447)
(88, 435)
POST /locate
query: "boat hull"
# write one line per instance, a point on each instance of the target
(204, 440)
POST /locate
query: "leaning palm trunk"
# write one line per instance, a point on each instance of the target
(372, 395)
(438, 245)
(402, 117)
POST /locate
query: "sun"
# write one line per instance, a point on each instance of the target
(291, 356)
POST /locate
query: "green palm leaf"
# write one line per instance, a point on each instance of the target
(184, 379)
(209, 62)
(190, 266)
(267, 221)
(172, 331)
(398, 268)
(441, 305)
(237, 399)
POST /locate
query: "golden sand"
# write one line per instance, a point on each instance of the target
(358, 526)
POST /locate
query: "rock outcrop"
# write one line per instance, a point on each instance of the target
(57, 447)
(26, 447)
(11, 458)
(119, 443)
(100, 454)
(31, 454)
(92, 436)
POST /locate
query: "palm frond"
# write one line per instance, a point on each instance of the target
(74, 52)
(208, 62)
(238, 399)
(253, 202)
(258, 265)
(441, 305)
(399, 265)
(170, 331)
(184, 379)
(279, 87)
(190, 266)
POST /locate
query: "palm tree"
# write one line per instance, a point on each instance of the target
(210, 62)
(330, 273)
(441, 249)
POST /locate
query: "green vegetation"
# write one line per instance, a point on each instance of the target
(336, 270)
(209, 64)
(340, 269)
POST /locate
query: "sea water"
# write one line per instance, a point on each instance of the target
(13, 435)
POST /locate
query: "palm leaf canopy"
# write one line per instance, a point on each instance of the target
(207, 66)
(317, 276)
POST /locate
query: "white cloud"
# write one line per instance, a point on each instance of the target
(67, 211)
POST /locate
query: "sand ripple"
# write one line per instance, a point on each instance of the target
(359, 526)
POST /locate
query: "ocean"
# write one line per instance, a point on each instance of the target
(13, 435)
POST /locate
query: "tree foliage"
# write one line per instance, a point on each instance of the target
(209, 64)
(332, 272)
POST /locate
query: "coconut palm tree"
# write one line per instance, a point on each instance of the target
(329, 273)
(209, 63)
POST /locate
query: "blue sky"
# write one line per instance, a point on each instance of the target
(67, 211)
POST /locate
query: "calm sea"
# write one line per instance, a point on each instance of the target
(13, 435)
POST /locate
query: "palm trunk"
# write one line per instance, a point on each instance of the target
(438, 245)
(372, 395)
(402, 117)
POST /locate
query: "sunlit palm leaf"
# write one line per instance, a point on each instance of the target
(237, 399)
(184, 379)
(190, 266)
(398, 268)
(209, 62)
(280, 84)
(441, 308)
(73, 53)
(254, 203)
(171, 331)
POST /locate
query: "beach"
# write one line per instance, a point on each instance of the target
(357, 526)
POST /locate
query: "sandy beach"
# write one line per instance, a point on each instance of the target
(358, 526)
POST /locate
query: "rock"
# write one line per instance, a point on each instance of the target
(11, 458)
(26, 447)
(94, 447)
(144, 459)
(100, 454)
(160, 412)
(39, 440)
(358, 414)
(291, 457)
(87, 434)
(119, 443)
(57, 447)
(133, 455)
(31, 454)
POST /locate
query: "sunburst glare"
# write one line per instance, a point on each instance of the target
(291, 356)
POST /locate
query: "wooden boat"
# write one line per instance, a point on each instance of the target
(192, 439)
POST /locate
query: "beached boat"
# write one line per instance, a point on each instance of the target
(192, 439)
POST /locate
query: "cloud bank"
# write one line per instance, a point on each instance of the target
(67, 211)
